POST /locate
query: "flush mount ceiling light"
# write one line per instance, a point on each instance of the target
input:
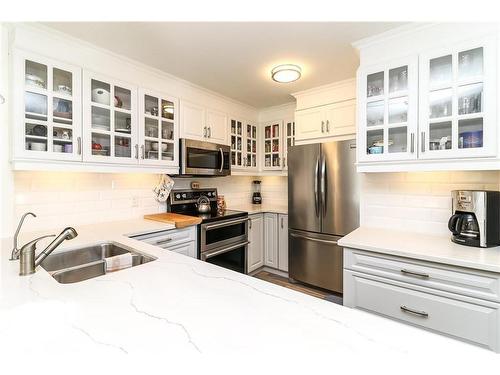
(286, 73)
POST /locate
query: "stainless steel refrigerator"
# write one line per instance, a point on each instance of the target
(323, 206)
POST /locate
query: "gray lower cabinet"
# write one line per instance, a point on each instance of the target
(458, 302)
(255, 257)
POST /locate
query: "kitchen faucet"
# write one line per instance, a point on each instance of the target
(15, 251)
(27, 260)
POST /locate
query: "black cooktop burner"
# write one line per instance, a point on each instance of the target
(213, 215)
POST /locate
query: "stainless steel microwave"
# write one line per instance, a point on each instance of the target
(198, 158)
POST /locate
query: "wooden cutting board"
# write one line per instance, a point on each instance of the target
(180, 221)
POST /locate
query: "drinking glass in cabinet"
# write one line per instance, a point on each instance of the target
(238, 158)
(398, 139)
(122, 98)
(62, 81)
(375, 141)
(375, 113)
(249, 145)
(101, 118)
(375, 84)
(470, 63)
(254, 161)
(100, 92)
(167, 130)
(233, 142)
(254, 146)
(167, 109)
(276, 160)
(276, 145)
(276, 130)
(249, 160)
(62, 110)
(398, 79)
(440, 135)
(470, 133)
(267, 132)
(267, 160)
(101, 144)
(254, 132)
(123, 122)
(35, 74)
(238, 128)
(123, 147)
(249, 131)
(151, 128)
(150, 105)
(35, 106)
(398, 110)
(233, 126)
(440, 70)
(238, 143)
(233, 158)
(470, 98)
(267, 146)
(440, 103)
(167, 151)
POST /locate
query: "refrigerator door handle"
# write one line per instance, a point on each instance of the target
(322, 186)
(313, 239)
(316, 196)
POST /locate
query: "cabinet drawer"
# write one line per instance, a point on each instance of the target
(169, 238)
(476, 284)
(472, 322)
(188, 249)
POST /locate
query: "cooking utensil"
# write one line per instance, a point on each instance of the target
(203, 205)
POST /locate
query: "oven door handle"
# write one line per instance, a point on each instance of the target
(221, 160)
(225, 224)
(224, 250)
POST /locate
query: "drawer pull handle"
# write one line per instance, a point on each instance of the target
(405, 309)
(163, 241)
(413, 273)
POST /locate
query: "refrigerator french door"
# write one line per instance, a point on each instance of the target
(323, 206)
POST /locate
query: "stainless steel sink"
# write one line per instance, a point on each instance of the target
(85, 263)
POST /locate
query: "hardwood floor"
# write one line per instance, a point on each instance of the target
(312, 291)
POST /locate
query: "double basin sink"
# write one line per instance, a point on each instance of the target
(87, 262)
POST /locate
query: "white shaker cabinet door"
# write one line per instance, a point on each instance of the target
(271, 240)
(217, 129)
(256, 246)
(192, 121)
(310, 124)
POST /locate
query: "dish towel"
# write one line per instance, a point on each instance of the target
(162, 190)
(118, 262)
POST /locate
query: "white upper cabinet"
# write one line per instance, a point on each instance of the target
(273, 145)
(204, 124)
(110, 120)
(388, 106)
(158, 129)
(243, 144)
(310, 123)
(288, 140)
(217, 130)
(47, 113)
(458, 101)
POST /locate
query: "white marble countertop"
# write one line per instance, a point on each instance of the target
(260, 208)
(424, 247)
(182, 315)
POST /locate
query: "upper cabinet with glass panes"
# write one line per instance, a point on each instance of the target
(388, 106)
(48, 110)
(109, 120)
(158, 124)
(243, 144)
(457, 101)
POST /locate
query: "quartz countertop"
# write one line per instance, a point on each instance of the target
(414, 245)
(260, 208)
(181, 315)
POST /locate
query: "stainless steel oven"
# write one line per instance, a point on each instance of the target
(199, 158)
(225, 243)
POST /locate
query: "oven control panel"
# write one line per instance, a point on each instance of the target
(182, 196)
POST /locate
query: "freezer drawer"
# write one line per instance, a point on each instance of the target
(315, 259)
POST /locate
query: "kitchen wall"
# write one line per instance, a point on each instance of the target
(417, 201)
(62, 199)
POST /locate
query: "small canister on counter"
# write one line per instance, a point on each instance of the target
(221, 203)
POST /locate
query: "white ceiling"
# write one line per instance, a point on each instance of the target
(234, 59)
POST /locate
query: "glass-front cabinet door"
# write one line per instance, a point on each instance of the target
(48, 114)
(388, 100)
(458, 102)
(251, 146)
(236, 130)
(158, 129)
(272, 145)
(109, 118)
(289, 129)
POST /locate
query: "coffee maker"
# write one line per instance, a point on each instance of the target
(476, 218)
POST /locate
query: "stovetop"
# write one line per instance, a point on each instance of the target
(214, 215)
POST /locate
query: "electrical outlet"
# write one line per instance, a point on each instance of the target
(135, 201)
